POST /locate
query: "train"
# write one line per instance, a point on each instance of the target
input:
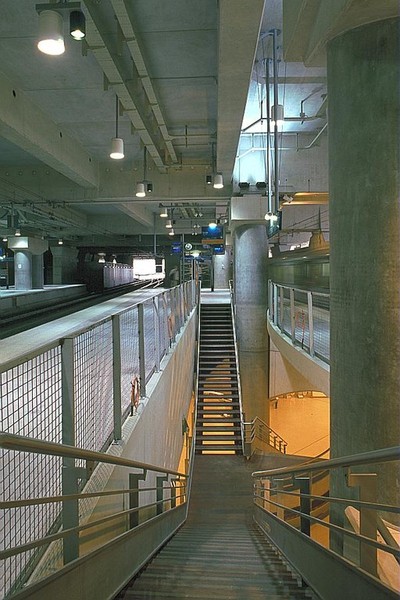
(303, 269)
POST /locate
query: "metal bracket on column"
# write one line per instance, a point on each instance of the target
(134, 479)
(160, 492)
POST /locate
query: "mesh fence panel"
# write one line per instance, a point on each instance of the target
(93, 362)
(321, 327)
(149, 339)
(302, 331)
(129, 324)
(30, 406)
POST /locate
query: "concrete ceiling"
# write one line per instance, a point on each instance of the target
(181, 70)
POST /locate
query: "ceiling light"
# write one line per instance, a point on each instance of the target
(168, 224)
(163, 212)
(51, 38)
(140, 191)
(17, 232)
(5, 239)
(77, 24)
(277, 114)
(271, 217)
(212, 225)
(102, 257)
(172, 232)
(149, 188)
(218, 181)
(208, 179)
(60, 242)
(117, 143)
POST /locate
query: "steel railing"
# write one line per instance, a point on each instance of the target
(233, 313)
(294, 512)
(77, 389)
(164, 491)
(260, 436)
(302, 316)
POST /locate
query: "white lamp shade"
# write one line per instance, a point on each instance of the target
(140, 191)
(218, 181)
(168, 224)
(171, 232)
(117, 148)
(51, 38)
(164, 213)
(277, 114)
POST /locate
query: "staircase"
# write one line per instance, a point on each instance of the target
(219, 553)
(218, 411)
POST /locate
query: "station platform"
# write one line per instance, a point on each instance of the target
(13, 301)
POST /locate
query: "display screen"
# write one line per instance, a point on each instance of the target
(212, 233)
(219, 249)
(176, 248)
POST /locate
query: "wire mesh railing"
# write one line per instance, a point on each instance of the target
(77, 390)
(302, 316)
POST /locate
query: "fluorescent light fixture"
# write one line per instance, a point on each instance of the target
(277, 114)
(77, 25)
(51, 37)
(218, 181)
(117, 148)
(140, 191)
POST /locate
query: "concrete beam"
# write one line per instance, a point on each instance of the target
(239, 28)
(138, 212)
(27, 126)
(308, 25)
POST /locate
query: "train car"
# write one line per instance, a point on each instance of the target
(303, 268)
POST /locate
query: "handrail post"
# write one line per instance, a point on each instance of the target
(292, 316)
(305, 504)
(160, 493)
(116, 346)
(310, 322)
(280, 498)
(367, 484)
(134, 479)
(70, 508)
(142, 351)
(282, 307)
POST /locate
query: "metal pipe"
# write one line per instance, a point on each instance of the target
(269, 178)
(276, 102)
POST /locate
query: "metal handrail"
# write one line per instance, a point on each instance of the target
(242, 424)
(278, 440)
(11, 441)
(383, 455)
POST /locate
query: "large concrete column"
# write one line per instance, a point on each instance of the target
(364, 134)
(250, 284)
(23, 270)
(222, 269)
(28, 261)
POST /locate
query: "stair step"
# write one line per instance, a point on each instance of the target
(212, 428)
(218, 448)
(218, 438)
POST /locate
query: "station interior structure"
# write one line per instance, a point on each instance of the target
(200, 345)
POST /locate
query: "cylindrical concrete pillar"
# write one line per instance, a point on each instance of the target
(23, 270)
(364, 133)
(37, 272)
(222, 269)
(250, 285)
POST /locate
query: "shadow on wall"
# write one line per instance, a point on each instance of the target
(302, 419)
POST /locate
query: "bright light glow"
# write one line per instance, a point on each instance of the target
(144, 266)
(5, 239)
(212, 225)
(77, 24)
(117, 149)
(60, 242)
(140, 191)
(271, 217)
(51, 33)
(171, 232)
(195, 253)
(17, 232)
(164, 213)
(218, 181)
(168, 224)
